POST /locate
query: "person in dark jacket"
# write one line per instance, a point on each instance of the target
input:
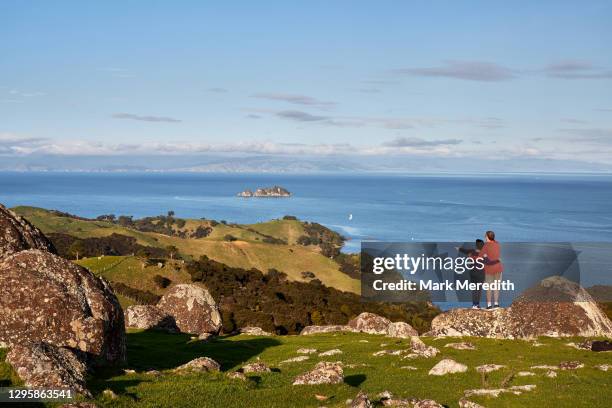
(476, 274)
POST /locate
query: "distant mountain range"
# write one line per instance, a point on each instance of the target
(291, 164)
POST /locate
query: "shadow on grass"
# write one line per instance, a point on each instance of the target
(157, 350)
(355, 380)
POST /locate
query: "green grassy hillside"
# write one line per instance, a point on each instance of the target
(584, 387)
(248, 250)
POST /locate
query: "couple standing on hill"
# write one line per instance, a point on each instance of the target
(490, 251)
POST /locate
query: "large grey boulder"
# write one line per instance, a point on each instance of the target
(193, 308)
(148, 317)
(42, 365)
(556, 307)
(45, 298)
(370, 323)
(324, 373)
(17, 234)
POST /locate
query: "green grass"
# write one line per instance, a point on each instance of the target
(153, 350)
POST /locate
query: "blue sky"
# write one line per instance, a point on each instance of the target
(364, 79)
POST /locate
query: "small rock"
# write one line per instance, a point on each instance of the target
(388, 352)
(604, 367)
(495, 392)
(295, 359)
(363, 341)
(408, 368)
(570, 365)
(320, 397)
(551, 374)
(330, 353)
(448, 366)
(324, 373)
(236, 375)
(205, 336)
(487, 368)
(544, 367)
(201, 364)
(524, 374)
(306, 351)
(257, 367)
(153, 373)
(464, 403)
(254, 331)
(421, 349)
(128, 371)
(427, 403)
(461, 346)
(361, 401)
(109, 394)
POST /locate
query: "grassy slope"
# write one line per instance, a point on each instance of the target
(248, 252)
(150, 350)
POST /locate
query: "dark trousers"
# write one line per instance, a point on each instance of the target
(476, 276)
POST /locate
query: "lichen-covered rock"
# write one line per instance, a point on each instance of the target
(193, 308)
(79, 405)
(323, 373)
(487, 368)
(427, 403)
(236, 375)
(461, 346)
(361, 401)
(45, 298)
(420, 349)
(148, 317)
(17, 234)
(42, 365)
(401, 330)
(332, 352)
(448, 366)
(325, 329)
(306, 350)
(570, 365)
(556, 307)
(370, 323)
(465, 403)
(255, 331)
(200, 364)
(257, 367)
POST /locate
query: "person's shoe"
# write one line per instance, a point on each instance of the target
(475, 307)
(489, 307)
(496, 306)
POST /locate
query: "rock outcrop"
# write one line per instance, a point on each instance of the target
(323, 373)
(149, 317)
(325, 329)
(275, 191)
(45, 298)
(367, 323)
(401, 330)
(370, 323)
(42, 365)
(556, 307)
(17, 234)
(200, 364)
(254, 331)
(193, 308)
(448, 366)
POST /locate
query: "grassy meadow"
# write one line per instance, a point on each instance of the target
(150, 350)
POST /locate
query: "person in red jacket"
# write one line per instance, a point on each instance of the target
(491, 252)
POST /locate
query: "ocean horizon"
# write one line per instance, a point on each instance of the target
(386, 207)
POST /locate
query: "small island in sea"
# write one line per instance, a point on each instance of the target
(275, 191)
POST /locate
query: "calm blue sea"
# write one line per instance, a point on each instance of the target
(383, 207)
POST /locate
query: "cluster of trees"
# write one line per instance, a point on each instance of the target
(328, 240)
(71, 247)
(272, 302)
(162, 224)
